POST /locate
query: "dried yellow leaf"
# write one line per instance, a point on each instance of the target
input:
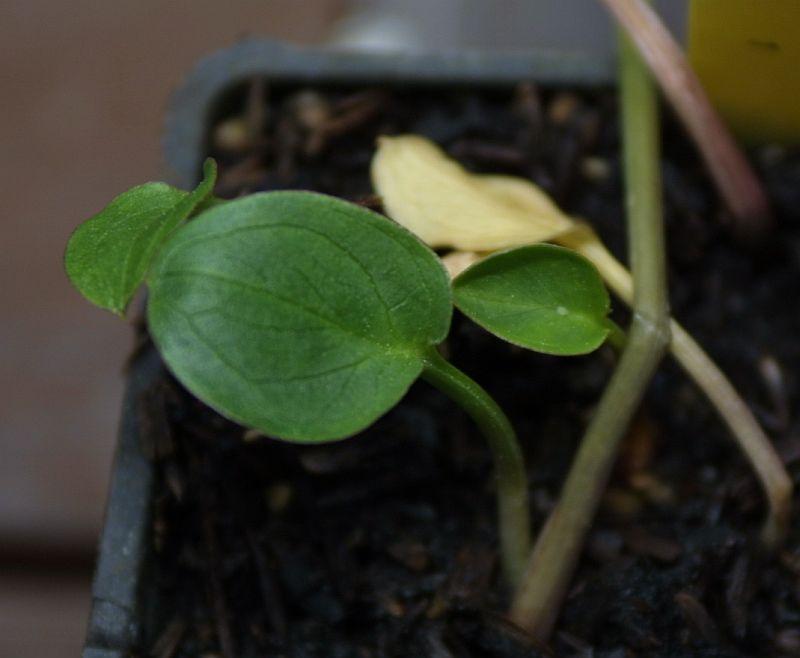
(446, 206)
(457, 261)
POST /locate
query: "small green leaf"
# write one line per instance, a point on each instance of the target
(298, 314)
(540, 297)
(108, 255)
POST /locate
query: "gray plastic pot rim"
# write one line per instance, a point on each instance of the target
(193, 101)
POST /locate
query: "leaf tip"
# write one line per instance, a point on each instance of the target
(210, 170)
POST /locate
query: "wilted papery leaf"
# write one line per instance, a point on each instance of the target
(447, 206)
(456, 262)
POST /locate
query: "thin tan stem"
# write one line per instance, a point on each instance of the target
(733, 411)
(733, 175)
(538, 601)
(754, 443)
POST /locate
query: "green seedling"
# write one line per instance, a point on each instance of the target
(541, 297)
(108, 255)
(294, 313)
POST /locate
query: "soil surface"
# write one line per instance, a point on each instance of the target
(384, 545)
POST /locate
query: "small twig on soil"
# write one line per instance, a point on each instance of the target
(697, 617)
(538, 601)
(167, 643)
(347, 115)
(733, 175)
(775, 382)
(738, 593)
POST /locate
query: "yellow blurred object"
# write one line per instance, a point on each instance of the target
(444, 205)
(747, 54)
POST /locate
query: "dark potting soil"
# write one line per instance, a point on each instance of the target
(384, 545)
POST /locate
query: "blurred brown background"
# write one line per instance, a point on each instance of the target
(84, 87)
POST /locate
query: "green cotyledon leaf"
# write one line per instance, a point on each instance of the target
(108, 255)
(301, 315)
(541, 297)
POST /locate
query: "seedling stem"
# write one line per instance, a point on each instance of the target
(512, 486)
(558, 548)
(617, 337)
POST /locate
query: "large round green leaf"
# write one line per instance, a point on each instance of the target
(541, 297)
(297, 313)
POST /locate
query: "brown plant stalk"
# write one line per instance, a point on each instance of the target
(738, 184)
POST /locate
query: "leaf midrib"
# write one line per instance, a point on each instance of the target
(384, 348)
(531, 307)
(288, 225)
